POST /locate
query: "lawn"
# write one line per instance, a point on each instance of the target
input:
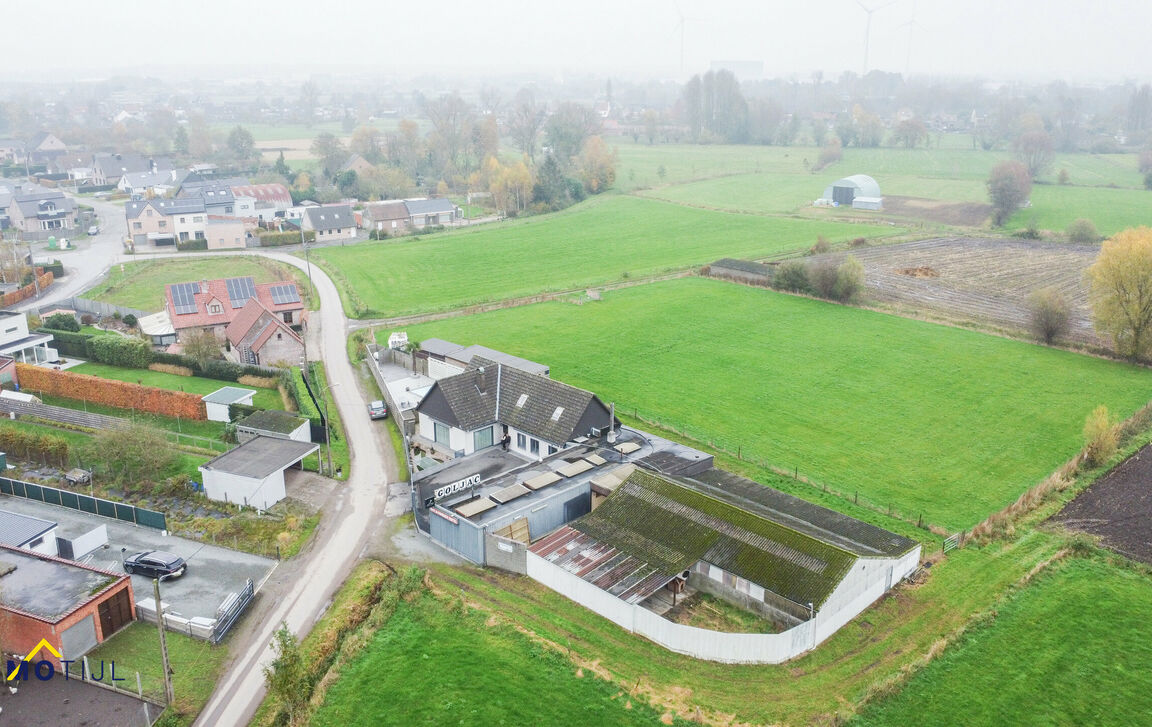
(265, 398)
(196, 665)
(600, 241)
(1071, 649)
(430, 665)
(816, 688)
(140, 285)
(927, 419)
(1111, 210)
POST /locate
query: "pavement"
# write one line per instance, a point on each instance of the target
(63, 701)
(213, 571)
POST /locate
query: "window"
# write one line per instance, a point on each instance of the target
(215, 308)
(137, 226)
(552, 450)
(227, 210)
(521, 441)
(11, 330)
(534, 446)
(198, 219)
(35, 543)
(556, 414)
(199, 235)
(182, 219)
(163, 224)
(287, 315)
(482, 438)
(279, 336)
(148, 212)
(441, 433)
(520, 402)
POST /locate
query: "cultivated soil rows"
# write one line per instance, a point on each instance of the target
(984, 280)
(1118, 507)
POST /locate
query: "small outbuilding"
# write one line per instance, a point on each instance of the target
(858, 191)
(275, 424)
(253, 473)
(216, 404)
(30, 533)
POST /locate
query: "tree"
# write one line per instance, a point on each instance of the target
(452, 119)
(202, 346)
(909, 133)
(1009, 186)
(569, 128)
(330, 151)
(1048, 313)
(287, 675)
(714, 103)
(136, 453)
(1100, 436)
(1145, 161)
(1035, 150)
(871, 130)
(1121, 291)
(651, 125)
(281, 166)
(596, 165)
(368, 142)
(180, 140)
(1082, 231)
(791, 276)
(62, 322)
(241, 144)
(405, 148)
(525, 122)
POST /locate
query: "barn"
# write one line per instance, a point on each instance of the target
(858, 191)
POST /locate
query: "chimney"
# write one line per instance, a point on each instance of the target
(482, 380)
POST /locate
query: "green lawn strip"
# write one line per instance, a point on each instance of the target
(926, 419)
(1111, 210)
(337, 434)
(600, 241)
(445, 667)
(196, 665)
(264, 398)
(1078, 635)
(140, 285)
(191, 427)
(811, 689)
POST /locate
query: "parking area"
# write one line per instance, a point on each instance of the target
(213, 571)
(69, 701)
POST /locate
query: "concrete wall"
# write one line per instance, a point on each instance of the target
(765, 603)
(509, 555)
(261, 494)
(438, 369)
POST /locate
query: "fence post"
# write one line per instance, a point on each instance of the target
(139, 686)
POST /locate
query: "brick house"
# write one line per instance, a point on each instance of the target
(259, 337)
(214, 304)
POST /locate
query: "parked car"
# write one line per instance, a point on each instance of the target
(155, 564)
(377, 410)
(94, 230)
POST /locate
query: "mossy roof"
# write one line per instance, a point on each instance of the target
(672, 526)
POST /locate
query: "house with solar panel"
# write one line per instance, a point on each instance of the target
(214, 305)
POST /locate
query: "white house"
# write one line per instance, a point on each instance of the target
(217, 403)
(16, 342)
(30, 533)
(330, 222)
(253, 473)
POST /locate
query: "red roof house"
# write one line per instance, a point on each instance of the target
(214, 304)
(259, 337)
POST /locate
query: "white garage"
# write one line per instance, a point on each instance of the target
(253, 473)
(216, 404)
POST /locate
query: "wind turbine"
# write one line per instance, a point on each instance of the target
(868, 28)
(681, 22)
(911, 24)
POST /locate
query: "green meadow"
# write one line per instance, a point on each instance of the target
(927, 419)
(603, 240)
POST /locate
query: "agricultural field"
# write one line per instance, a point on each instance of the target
(1111, 210)
(984, 280)
(601, 241)
(820, 687)
(928, 420)
(265, 398)
(141, 285)
(1072, 648)
(449, 668)
(1115, 508)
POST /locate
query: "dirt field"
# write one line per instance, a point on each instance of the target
(1118, 508)
(983, 280)
(966, 214)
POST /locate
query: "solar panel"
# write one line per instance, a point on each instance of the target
(286, 293)
(240, 290)
(184, 297)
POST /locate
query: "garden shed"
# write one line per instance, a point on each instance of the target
(216, 404)
(858, 191)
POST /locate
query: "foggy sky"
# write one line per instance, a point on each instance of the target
(1072, 40)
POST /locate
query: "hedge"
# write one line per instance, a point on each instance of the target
(299, 392)
(121, 394)
(69, 343)
(46, 448)
(133, 353)
(193, 244)
(28, 290)
(56, 268)
(276, 239)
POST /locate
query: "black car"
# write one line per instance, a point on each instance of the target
(155, 564)
(377, 410)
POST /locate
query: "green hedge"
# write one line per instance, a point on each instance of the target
(216, 369)
(120, 351)
(236, 412)
(55, 267)
(69, 343)
(186, 245)
(299, 392)
(277, 239)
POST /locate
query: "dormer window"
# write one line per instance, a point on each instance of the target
(215, 308)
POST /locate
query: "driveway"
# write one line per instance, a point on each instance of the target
(213, 571)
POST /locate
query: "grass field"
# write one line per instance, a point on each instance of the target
(265, 398)
(141, 285)
(1078, 636)
(429, 665)
(813, 689)
(931, 420)
(1111, 210)
(195, 665)
(601, 241)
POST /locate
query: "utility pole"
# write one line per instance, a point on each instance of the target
(168, 693)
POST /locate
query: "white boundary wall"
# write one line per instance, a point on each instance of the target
(868, 580)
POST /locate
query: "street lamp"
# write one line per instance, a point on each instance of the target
(327, 433)
(311, 287)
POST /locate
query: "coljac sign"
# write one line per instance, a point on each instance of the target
(441, 492)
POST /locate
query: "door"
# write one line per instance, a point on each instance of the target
(114, 613)
(79, 638)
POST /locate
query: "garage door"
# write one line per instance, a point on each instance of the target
(115, 613)
(79, 639)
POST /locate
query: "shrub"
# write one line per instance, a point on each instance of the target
(822, 278)
(87, 319)
(130, 320)
(1062, 177)
(830, 154)
(120, 394)
(68, 343)
(1082, 231)
(62, 322)
(1100, 437)
(120, 351)
(849, 279)
(791, 276)
(1048, 314)
(860, 242)
(45, 448)
(277, 239)
(260, 382)
(193, 244)
(822, 246)
(170, 369)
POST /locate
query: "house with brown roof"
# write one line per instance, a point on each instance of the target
(261, 338)
(389, 216)
(214, 304)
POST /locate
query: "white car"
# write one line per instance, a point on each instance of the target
(94, 230)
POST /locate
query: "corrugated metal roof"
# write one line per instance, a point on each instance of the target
(18, 530)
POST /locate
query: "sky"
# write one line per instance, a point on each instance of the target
(1072, 40)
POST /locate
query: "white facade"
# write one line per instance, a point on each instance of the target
(240, 490)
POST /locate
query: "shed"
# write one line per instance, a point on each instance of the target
(159, 327)
(253, 473)
(25, 531)
(273, 423)
(858, 191)
(216, 404)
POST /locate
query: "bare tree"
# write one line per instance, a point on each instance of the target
(1049, 314)
(451, 118)
(1035, 150)
(1008, 187)
(525, 122)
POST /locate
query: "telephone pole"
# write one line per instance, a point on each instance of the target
(169, 695)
